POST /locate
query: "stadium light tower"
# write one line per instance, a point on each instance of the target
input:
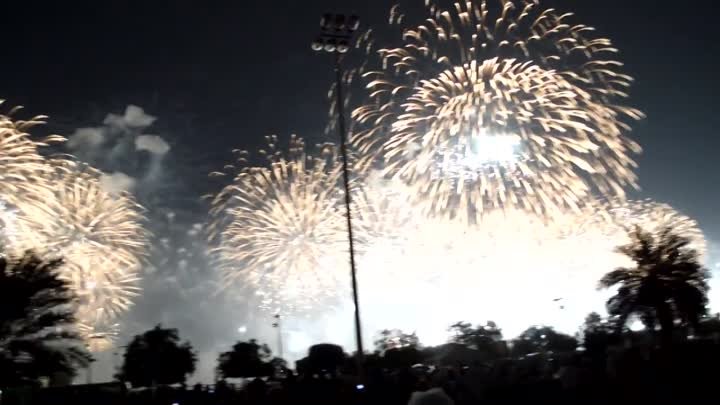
(336, 32)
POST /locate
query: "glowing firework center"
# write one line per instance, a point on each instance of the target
(490, 149)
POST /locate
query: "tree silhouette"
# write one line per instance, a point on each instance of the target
(598, 335)
(486, 339)
(37, 336)
(246, 359)
(542, 339)
(479, 337)
(667, 283)
(322, 358)
(709, 327)
(402, 357)
(157, 357)
(394, 339)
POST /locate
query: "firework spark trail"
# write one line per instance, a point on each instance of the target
(23, 173)
(498, 104)
(22, 165)
(99, 235)
(98, 332)
(57, 208)
(279, 228)
(654, 217)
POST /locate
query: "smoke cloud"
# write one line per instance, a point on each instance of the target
(117, 182)
(133, 118)
(179, 288)
(152, 143)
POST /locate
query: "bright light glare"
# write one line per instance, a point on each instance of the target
(486, 149)
(636, 325)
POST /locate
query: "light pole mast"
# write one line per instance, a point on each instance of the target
(277, 325)
(336, 32)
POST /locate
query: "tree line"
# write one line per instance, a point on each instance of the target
(666, 288)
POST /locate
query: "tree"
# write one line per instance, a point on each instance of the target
(479, 338)
(157, 357)
(598, 335)
(402, 357)
(543, 339)
(395, 339)
(667, 283)
(246, 359)
(709, 327)
(37, 334)
(486, 339)
(322, 358)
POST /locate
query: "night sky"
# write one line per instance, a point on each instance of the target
(222, 74)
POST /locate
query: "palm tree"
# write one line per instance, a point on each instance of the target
(667, 283)
(37, 337)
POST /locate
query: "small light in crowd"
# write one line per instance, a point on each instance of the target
(360, 387)
(637, 325)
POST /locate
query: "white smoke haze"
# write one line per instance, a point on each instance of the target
(86, 138)
(133, 118)
(713, 264)
(152, 143)
(117, 182)
(179, 289)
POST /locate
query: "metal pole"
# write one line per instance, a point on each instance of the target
(89, 376)
(348, 206)
(279, 335)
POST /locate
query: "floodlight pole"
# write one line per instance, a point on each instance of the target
(348, 205)
(277, 325)
(337, 31)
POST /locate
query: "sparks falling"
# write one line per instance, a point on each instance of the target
(498, 105)
(99, 235)
(279, 228)
(58, 209)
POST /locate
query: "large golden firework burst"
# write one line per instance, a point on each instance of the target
(99, 235)
(279, 229)
(59, 209)
(23, 173)
(498, 104)
(22, 165)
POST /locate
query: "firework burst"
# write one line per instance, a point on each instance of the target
(22, 166)
(654, 217)
(98, 332)
(23, 173)
(98, 234)
(498, 104)
(278, 227)
(58, 208)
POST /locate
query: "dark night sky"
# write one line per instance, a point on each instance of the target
(242, 69)
(221, 74)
